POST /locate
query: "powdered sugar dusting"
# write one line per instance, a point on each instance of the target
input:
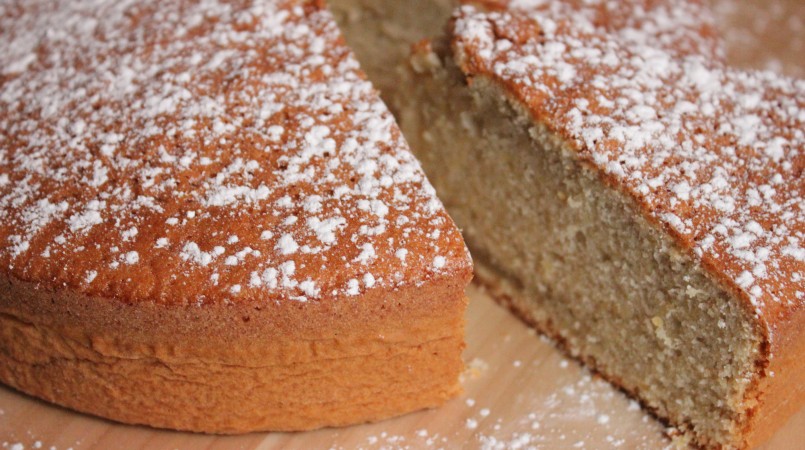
(234, 147)
(714, 154)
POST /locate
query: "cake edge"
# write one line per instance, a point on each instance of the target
(334, 363)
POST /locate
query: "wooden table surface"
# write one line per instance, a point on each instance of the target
(520, 392)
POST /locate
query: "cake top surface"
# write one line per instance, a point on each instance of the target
(713, 154)
(204, 151)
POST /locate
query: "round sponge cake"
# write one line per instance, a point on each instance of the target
(212, 223)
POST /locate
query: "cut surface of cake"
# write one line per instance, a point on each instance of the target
(210, 222)
(627, 193)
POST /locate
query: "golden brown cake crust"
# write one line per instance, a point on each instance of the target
(228, 369)
(211, 222)
(713, 155)
(235, 368)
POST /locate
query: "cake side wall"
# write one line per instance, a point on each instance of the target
(782, 393)
(257, 367)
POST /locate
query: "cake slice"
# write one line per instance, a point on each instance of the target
(211, 222)
(629, 195)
